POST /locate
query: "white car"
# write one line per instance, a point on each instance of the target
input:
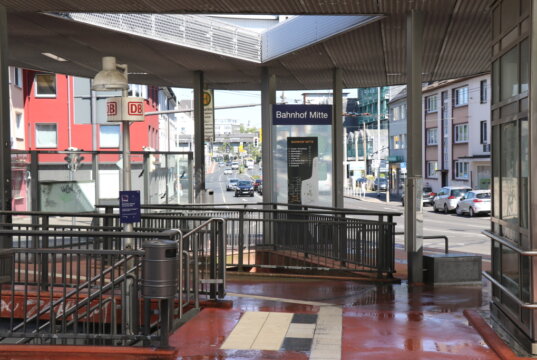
(474, 202)
(232, 184)
(448, 197)
(228, 171)
(234, 166)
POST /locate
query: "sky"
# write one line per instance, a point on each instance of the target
(250, 116)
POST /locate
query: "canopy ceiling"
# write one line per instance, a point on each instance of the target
(456, 43)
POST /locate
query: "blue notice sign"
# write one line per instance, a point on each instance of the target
(301, 114)
(129, 207)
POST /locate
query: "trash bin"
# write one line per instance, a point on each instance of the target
(160, 278)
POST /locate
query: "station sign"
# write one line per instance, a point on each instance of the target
(301, 114)
(125, 109)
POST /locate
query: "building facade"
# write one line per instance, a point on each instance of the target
(456, 120)
(397, 142)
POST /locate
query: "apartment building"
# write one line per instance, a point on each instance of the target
(456, 134)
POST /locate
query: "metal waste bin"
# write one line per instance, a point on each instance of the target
(160, 279)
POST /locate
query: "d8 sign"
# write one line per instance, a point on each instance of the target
(135, 108)
(125, 109)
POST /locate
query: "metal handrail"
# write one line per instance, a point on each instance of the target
(509, 245)
(430, 237)
(506, 291)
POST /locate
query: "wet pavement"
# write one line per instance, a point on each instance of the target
(387, 321)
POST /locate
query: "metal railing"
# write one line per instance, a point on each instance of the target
(76, 284)
(289, 236)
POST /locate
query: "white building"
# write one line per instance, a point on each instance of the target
(456, 131)
(17, 108)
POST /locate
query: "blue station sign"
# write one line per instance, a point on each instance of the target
(301, 114)
(129, 207)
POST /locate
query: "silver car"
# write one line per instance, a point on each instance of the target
(448, 197)
(474, 202)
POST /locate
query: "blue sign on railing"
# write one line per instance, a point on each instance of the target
(301, 114)
(129, 207)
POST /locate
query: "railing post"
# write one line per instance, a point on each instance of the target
(221, 243)
(343, 240)
(241, 241)
(213, 261)
(44, 256)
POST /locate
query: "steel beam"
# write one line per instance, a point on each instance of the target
(337, 139)
(199, 137)
(5, 121)
(413, 185)
(268, 98)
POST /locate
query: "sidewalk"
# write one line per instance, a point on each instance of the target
(372, 196)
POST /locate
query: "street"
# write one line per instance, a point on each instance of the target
(217, 181)
(464, 233)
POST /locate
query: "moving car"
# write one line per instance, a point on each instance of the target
(380, 184)
(231, 184)
(234, 166)
(228, 171)
(257, 182)
(260, 189)
(448, 198)
(474, 202)
(244, 187)
(427, 196)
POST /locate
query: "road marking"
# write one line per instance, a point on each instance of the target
(273, 332)
(245, 332)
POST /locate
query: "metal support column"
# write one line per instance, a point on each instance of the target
(337, 139)
(413, 185)
(5, 120)
(268, 98)
(199, 138)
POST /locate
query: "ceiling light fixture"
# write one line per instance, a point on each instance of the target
(54, 57)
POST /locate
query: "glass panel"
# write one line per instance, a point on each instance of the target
(524, 172)
(496, 82)
(509, 172)
(525, 278)
(510, 270)
(509, 74)
(496, 260)
(509, 14)
(496, 170)
(509, 39)
(524, 65)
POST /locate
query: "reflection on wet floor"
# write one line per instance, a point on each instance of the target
(379, 321)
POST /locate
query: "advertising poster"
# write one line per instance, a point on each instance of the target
(129, 207)
(302, 159)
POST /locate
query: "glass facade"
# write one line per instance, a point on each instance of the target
(511, 168)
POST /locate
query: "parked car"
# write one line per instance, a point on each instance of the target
(231, 184)
(260, 189)
(244, 187)
(427, 196)
(448, 198)
(474, 202)
(228, 171)
(380, 184)
(257, 182)
(234, 166)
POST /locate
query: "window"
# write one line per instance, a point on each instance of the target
(461, 170)
(396, 142)
(46, 135)
(483, 132)
(461, 133)
(432, 136)
(403, 141)
(431, 167)
(19, 126)
(460, 96)
(396, 113)
(431, 104)
(18, 77)
(109, 136)
(483, 96)
(45, 85)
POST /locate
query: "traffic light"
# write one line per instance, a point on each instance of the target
(256, 142)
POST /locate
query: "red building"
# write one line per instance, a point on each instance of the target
(59, 114)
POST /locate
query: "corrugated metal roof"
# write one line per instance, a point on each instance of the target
(456, 43)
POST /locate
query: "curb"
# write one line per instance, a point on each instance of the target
(492, 339)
